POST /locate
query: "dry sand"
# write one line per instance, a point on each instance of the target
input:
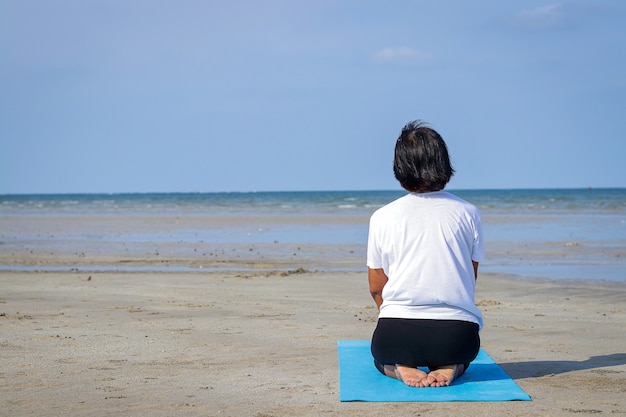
(263, 343)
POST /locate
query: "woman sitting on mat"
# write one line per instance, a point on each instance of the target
(422, 256)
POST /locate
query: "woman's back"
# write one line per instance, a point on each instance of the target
(425, 243)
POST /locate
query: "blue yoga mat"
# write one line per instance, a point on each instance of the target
(359, 380)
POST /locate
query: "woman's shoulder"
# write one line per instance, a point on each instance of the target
(457, 199)
(391, 208)
(460, 205)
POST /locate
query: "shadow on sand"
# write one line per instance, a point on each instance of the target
(533, 369)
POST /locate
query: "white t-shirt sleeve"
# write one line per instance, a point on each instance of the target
(478, 249)
(374, 258)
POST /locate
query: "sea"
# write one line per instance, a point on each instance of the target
(538, 233)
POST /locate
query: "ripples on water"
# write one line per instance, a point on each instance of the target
(497, 202)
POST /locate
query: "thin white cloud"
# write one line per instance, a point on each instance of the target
(569, 15)
(400, 54)
(550, 15)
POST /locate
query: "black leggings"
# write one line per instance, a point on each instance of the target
(431, 343)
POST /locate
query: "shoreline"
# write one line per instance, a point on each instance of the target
(556, 248)
(263, 268)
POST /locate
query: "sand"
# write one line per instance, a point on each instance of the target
(251, 330)
(264, 344)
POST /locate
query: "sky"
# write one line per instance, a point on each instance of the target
(123, 96)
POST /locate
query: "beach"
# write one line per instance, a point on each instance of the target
(264, 344)
(158, 315)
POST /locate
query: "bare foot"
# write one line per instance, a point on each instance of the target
(443, 376)
(411, 376)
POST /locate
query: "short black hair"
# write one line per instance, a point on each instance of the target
(421, 162)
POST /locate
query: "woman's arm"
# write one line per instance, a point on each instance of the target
(475, 269)
(377, 280)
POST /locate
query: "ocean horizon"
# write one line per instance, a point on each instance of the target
(571, 233)
(581, 197)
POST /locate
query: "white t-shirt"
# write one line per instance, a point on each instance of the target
(425, 243)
